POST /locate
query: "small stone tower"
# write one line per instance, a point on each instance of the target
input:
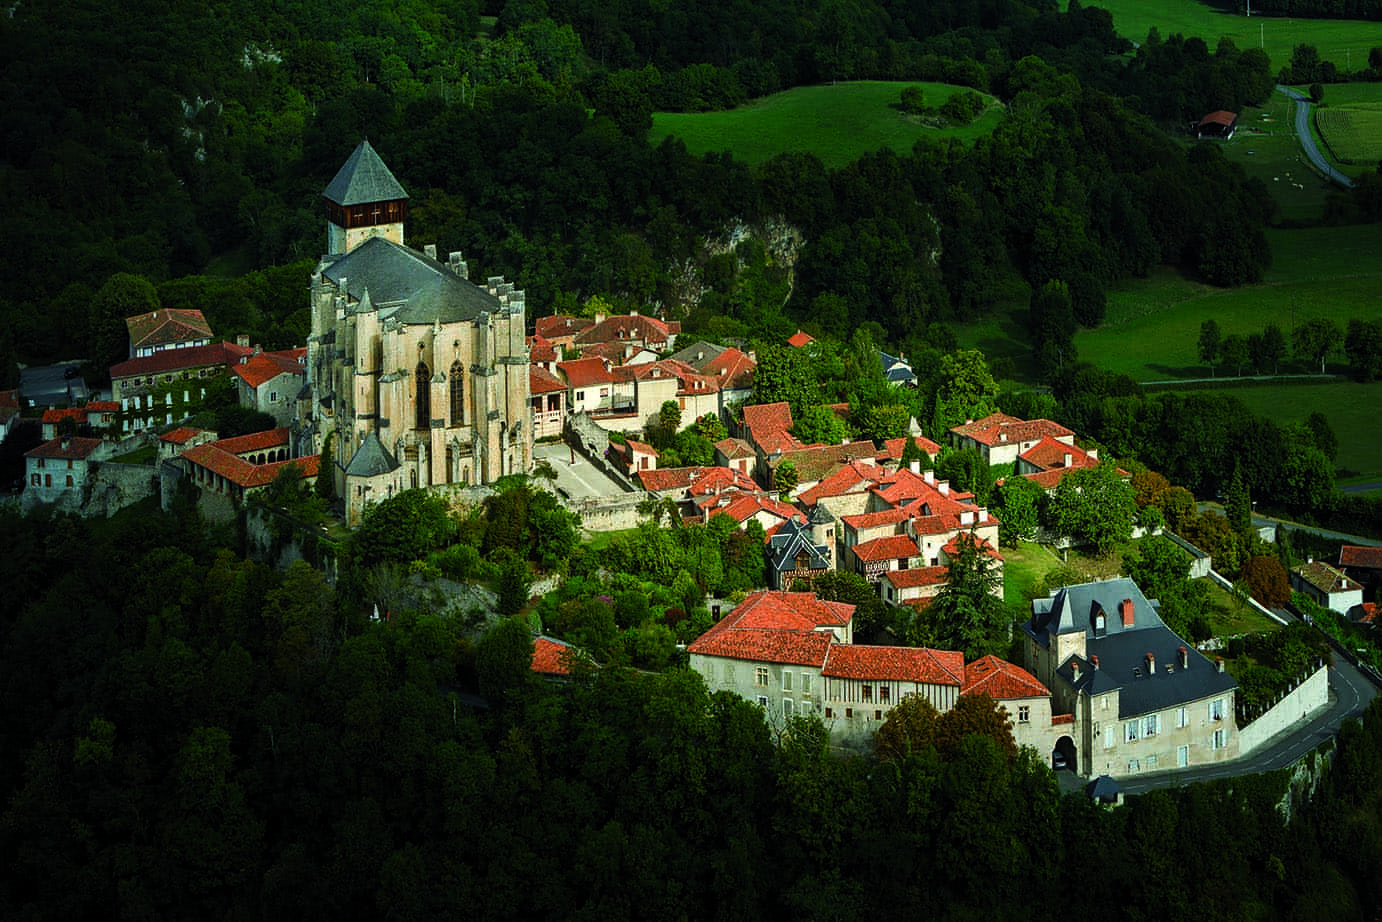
(364, 200)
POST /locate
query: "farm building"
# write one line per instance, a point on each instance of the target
(1219, 124)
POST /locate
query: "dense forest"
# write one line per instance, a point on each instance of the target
(198, 735)
(201, 145)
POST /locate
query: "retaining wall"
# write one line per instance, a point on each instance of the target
(1299, 704)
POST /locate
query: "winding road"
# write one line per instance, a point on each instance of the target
(1307, 140)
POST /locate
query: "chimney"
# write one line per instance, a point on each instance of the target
(1093, 454)
(983, 516)
(1068, 459)
(430, 251)
(1151, 663)
(243, 339)
(1075, 669)
(1219, 663)
(944, 487)
(914, 465)
(1129, 616)
(1094, 661)
(929, 476)
(1002, 437)
(599, 318)
(1184, 657)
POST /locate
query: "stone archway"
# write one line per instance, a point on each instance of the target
(1064, 756)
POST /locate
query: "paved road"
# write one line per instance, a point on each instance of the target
(1307, 140)
(576, 476)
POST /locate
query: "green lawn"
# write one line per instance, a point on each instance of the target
(1152, 326)
(837, 122)
(1344, 42)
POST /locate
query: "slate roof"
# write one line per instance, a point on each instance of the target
(790, 541)
(1352, 555)
(371, 459)
(1001, 680)
(363, 179)
(405, 285)
(896, 664)
(1121, 650)
(699, 354)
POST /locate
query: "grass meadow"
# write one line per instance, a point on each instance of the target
(837, 122)
(1345, 42)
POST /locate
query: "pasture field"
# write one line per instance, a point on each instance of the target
(1352, 131)
(1266, 146)
(1152, 326)
(837, 122)
(1345, 42)
(1351, 409)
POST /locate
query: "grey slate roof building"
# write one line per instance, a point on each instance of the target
(792, 553)
(421, 374)
(1142, 698)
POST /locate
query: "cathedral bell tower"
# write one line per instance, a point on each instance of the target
(363, 201)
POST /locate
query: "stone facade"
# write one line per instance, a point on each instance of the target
(421, 375)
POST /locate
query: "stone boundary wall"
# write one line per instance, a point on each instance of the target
(586, 436)
(608, 513)
(116, 486)
(1305, 699)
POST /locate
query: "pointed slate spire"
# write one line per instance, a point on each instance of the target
(364, 179)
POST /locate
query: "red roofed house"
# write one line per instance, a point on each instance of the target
(633, 328)
(590, 386)
(1363, 564)
(793, 653)
(547, 402)
(167, 329)
(1048, 461)
(1026, 700)
(561, 331)
(800, 339)
(736, 454)
(633, 456)
(237, 467)
(271, 381)
(1000, 438)
(171, 444)
(1327, 586)
(160, 389)
(58, 470)
(553, 657)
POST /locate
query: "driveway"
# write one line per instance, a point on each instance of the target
(1307, 140)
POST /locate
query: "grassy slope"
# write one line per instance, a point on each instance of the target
(837, 123)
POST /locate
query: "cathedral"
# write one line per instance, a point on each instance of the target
(418, 375)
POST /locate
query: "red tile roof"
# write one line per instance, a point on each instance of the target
(852, 478)
(767, 424)
(799, 339)
(9, 399)
(1000, 428)
(896, 664)
(77, 414)
(630, 327)
(917, 577)
(820, 461)
(540, 349)
(258, 370)
(166, 326)
(776, 627)
(1049, 454)
(614, 353)
(562, 326)
(734, 449)
(553, 657)
(1219, 118)
(741, 506)
(241, 472)
(70, 449)
(585, 372)
(893, 547)
(542, 381)
(875, 519)
(255, 441)
(1352, 555)
(177, 359)
(1369, 614)
(893, 448)
(180, 435)
(1001, 680)
(699, 481)
(732, 368)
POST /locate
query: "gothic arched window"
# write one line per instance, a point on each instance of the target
(457, 381)
(424, 397)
